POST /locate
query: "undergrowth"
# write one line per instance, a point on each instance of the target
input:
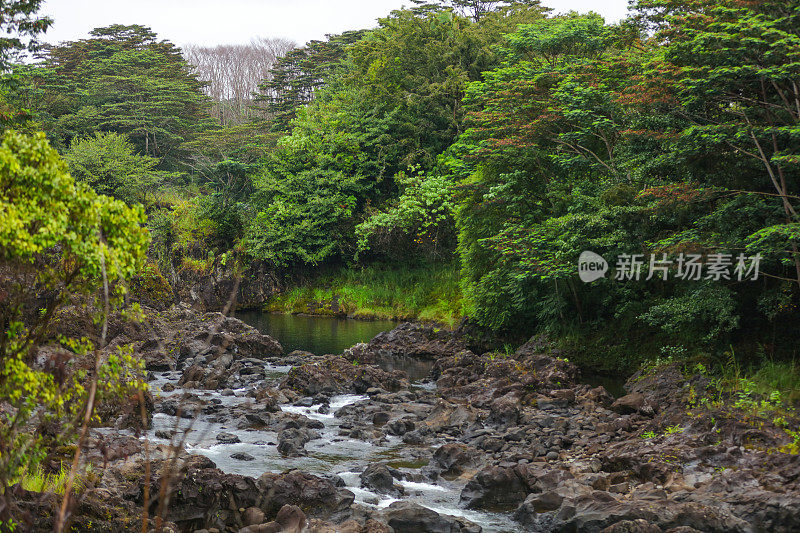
(37, 480)
(423, 293)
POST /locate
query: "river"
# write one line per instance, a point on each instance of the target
(332, 453)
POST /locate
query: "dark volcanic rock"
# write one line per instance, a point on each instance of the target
(633, 403)
(518, 427)
(206, 497)
(380, 478)
(242, 456)
(453, 459)
(227, 438)
(406, 517)
(290, 519)
(484, 378)
(411, 340)
(599, 511)
(317, 496)
(291, 441)
(400, 427)
(214, 290)
(634, 526)
(504, 412)
(496, 487)
(336, 375)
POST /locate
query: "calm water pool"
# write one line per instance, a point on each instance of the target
(318, 335)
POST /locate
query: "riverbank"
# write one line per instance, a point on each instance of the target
(490, 442)
(418, 431)
(430, 293)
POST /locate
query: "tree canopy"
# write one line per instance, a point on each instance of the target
(490, 134)
(121, 79)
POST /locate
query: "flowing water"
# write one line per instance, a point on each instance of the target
(332, 453)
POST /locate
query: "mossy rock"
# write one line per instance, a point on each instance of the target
(151, 288)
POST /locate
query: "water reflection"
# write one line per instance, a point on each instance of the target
(318, 335)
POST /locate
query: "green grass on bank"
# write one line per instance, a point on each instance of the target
(36, 480)
(765, 378)
(422, 293)
(624, 349)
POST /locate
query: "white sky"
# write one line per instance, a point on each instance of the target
(211, 22)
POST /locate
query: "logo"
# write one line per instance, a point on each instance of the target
(692, 267)
(591, 267)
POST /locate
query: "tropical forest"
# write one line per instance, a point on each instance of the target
(481, 266)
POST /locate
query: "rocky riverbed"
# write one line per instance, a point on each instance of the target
(247, 439)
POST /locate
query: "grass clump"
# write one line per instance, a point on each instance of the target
(37, 480)
(423, 293)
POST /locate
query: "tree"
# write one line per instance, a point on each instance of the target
(58, 240)
(122, 79)
(234, 73)
(477, 9)
(394, 102)
(597, 137)
(109, 163)
(299, 73)
(734, 68)
(19, 20)
(248, 143)
(538, 127)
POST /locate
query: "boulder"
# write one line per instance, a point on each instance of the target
(453, 459)
(334, 375)
(291, 441)
(290, 519)
(227, 438)
(380, 478)
(635, 402)
(409, 340)
(318, 497)
(407, 517)
(497, 487)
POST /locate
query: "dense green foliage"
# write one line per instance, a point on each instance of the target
(109, 163)
(56, 235)
(418, 223)
(589, 137)
(60, 239)
(122, 79)
(394, 102)
(484, 133)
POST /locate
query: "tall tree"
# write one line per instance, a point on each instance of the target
(735, 69)
(295, 77)
(122, 79)
(477, 9)
(234, 72)
(394, 102)
(20, 26)
(548, 119)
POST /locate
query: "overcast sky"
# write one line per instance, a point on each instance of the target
(211, 22)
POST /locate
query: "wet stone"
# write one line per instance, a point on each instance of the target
(227, 438)
(242, 456)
